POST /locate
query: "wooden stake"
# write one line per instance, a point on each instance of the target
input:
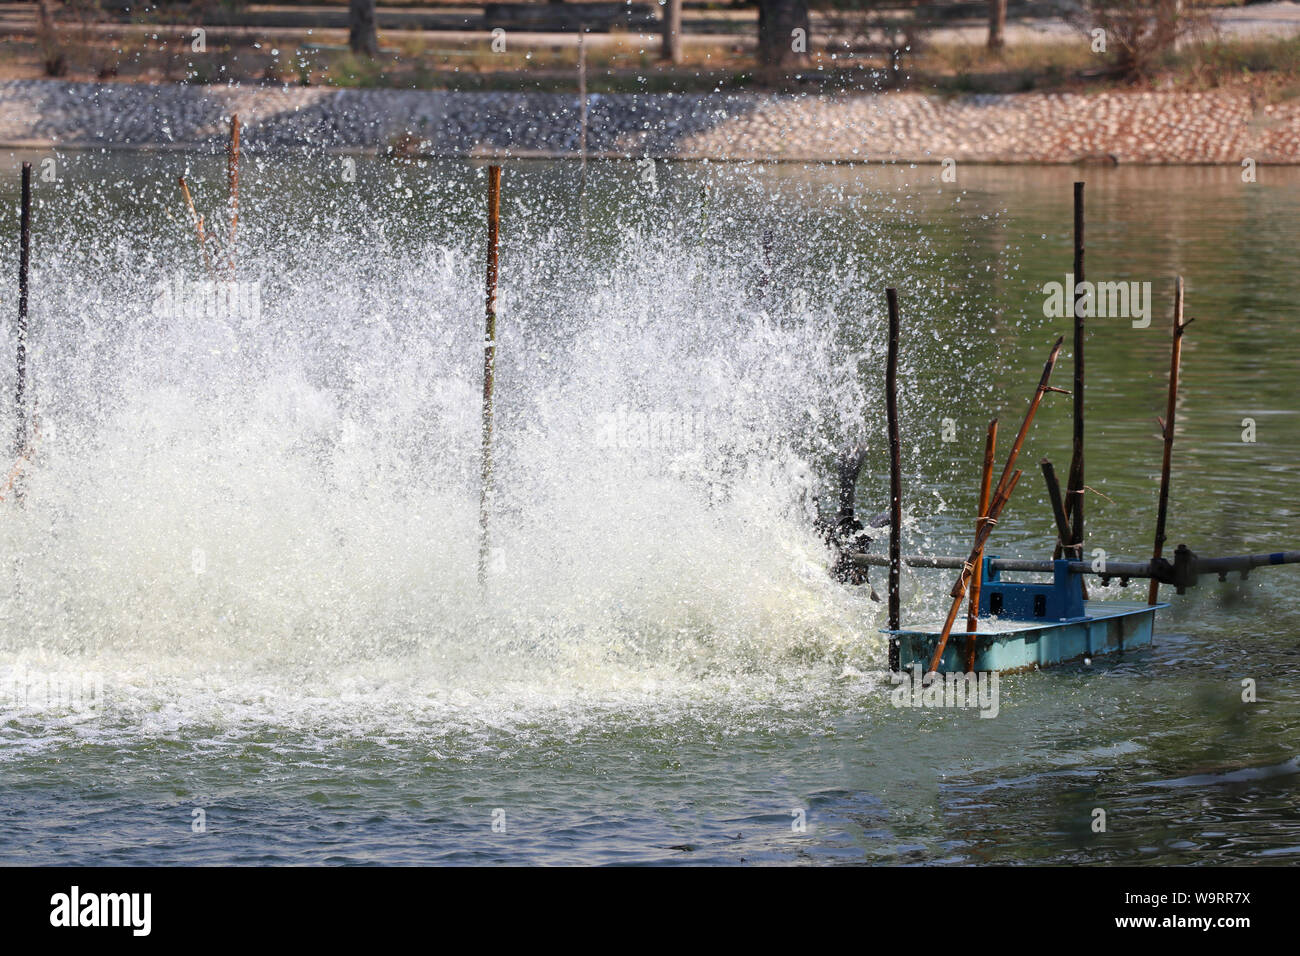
(489, 365)
(1063, 536)
(766, 270)
(198, 225)
(582, 121)
(582, 96)
(1000, 498)
(232, 177)
(895, 461)
(1167, 429)
(981, 519)
(24, 266)
(1074, 483)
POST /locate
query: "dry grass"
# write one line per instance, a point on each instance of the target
(1217, 63)
(1023, 67)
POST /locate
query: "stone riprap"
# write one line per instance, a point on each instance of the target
(1126, 127)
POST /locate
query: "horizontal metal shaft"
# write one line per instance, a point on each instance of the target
(1111, 569)
(1244, 562)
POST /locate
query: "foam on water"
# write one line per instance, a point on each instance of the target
(273, 519)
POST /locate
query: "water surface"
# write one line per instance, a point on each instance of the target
(258, 533)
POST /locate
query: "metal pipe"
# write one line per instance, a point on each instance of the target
(1114, 569)
(1244, 562)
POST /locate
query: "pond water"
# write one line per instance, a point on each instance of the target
(241, 620)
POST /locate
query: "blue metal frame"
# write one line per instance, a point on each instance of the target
(1062, 600)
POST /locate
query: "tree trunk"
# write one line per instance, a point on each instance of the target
(997, 24)
(362, 38)
(782, 34)
(672, 50)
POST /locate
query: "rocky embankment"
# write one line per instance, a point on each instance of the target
(1143, 127)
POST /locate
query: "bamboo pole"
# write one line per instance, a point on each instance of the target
(489, 365)
(24, 267)
(1000, 497)
(232, 178)
(1167, 431)
(895, 461)
(1043, 388)
(1075, 481)
(982, 517)
(198, 225)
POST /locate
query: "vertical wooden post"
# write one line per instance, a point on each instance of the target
(1063, 535)
(24, 265)
(232, 178)
(895, 461)
(1074, 483)
(1167, 430)
(981, 519)
(582, 96)
(489, 365)
(672, 37)
(1058, 507)
(582, 122)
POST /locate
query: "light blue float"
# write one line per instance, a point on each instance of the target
(1024, 626)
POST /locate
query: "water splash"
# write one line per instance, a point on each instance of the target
(273, 517)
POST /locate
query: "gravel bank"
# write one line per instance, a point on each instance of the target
(1149, 128)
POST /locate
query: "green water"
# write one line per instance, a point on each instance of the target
(659, 672)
